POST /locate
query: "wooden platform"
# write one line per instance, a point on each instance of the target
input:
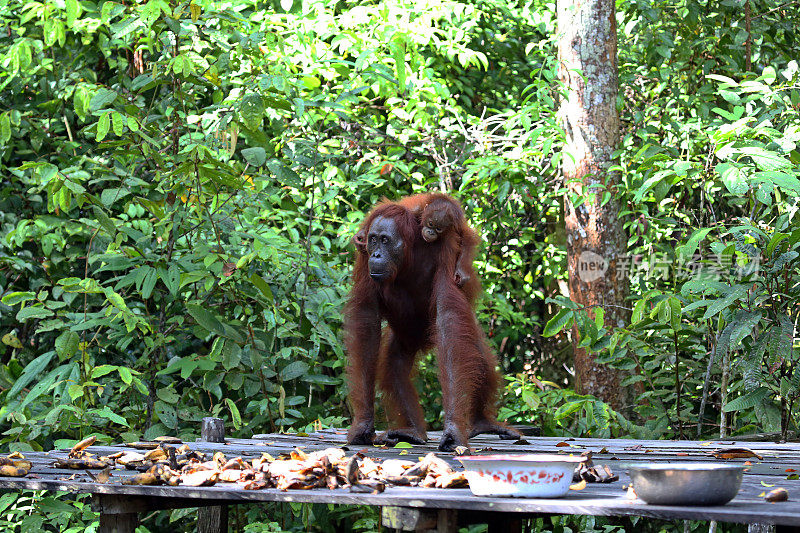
(119, 503)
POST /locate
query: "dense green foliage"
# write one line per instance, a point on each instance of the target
(179, 183)
(710, 169)
(178, 208)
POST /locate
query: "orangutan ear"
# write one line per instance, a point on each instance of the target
(360, 240)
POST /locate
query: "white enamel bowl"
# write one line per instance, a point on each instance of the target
(524, 476)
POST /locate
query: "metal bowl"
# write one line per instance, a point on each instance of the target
(686, 483)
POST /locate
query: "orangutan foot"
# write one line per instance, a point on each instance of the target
(393, 436)
(361, 433)
(451, 439)
(490, 426)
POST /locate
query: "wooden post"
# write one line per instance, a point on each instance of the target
(504, 523)
(212, 519)
(447, 521)
(414, 519)
(408, 518)
(118, 514)
(118, 523)
(212, 430)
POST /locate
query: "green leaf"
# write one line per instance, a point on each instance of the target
(123, 27)
(256, 156)
(140, 386)
(67, 344)
(10, 339)
(43, 385)
(103, 126)
(116, 300)
(73, 10)
(781, 338)
(5, 128)
(294, 370)
(32, 371)
(767, 160)
(262, 286)
(768, 75)
(236, 417)
(168, 395)
(51, 505)
(102, 370)
(205, 319)
(785, 181)
(401, 445)
(745, 322)
(231, 355)
(102, 98)
(687, 250)
(114, 194)
(562, 319)
(80, 101)
(733, 178)
(777, 237)
(675, 313)
(747, 401)
(599, 317)
(311, 82)
(14, 298)
(398, 49)
(149, 283)
(321, 379)
(33, 312)
(118, 122)
(722, 303)
(125, 374)
(251, 111)
(185, 365)
(171, 278)
(110, 415)
(104, 220)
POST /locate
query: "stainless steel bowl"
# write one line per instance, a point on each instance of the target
(686, 483)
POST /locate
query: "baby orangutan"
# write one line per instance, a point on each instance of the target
(441, 218)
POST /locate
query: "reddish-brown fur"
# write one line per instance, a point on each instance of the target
(423, 308)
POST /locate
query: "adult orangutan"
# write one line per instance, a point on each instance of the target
(410, 283)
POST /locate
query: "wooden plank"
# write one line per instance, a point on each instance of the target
(596, 499)
(115, 504)
(771, 465)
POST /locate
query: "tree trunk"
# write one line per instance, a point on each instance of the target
(596, 243)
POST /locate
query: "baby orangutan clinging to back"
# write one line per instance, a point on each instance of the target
(440, 218)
